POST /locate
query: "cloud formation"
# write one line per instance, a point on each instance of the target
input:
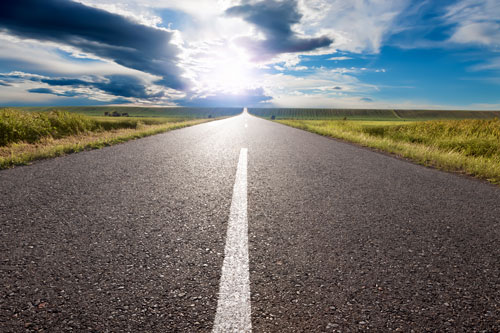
(113, 86)
(309, 53)
(274, 19)
(476, 21)
(248, 97)
(53, 92)
(359, 26)
(95, 31)
(116, 85)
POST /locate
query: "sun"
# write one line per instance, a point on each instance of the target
(232, 75)
(228, 71)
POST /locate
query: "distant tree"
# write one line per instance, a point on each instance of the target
(106, 113)
(273, 117)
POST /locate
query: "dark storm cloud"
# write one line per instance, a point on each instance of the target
(95, 31)
(52, 92)
(275, 20)
(125, 86)
(41, 91)
(116, 85)
(64, 82)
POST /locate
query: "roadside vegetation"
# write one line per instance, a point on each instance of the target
(470, 146)
(138, 111)
(27, 136)
(360, 114)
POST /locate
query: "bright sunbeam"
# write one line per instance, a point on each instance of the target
(231, 75)
(229, 71)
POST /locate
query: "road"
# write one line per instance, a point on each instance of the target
(132, 238)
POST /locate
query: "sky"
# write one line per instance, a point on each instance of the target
(293, 53)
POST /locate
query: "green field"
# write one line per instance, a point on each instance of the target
(27, 136)
(359, 114)
(151, 112)
(459, 141)
(451, 140)
(470, 146)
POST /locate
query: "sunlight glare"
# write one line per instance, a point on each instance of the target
(230, 72)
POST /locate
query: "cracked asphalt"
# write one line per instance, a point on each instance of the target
(130, 238)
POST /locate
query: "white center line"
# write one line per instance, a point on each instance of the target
(233, 308)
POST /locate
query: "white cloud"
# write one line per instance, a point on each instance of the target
(486, 33)
(209, 20)
(492, 64)
(339, 58)
(298, 68)
(315, 101)
(14, 94)
(358, 102)
(35, 56)
(357, 25)
(478, 22)
(131, 9)
(210, 54)
(318, 82)
(215, 64)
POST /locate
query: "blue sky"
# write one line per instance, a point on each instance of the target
(303, 53)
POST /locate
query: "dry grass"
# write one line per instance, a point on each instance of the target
(19, 153)
(369, 114)
(465, 146)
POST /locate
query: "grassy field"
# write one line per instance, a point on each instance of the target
(358, 114)
(150, 112)
(28, 136)
(460, 141)
(470, 146)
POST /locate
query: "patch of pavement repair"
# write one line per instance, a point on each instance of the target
(233, 307)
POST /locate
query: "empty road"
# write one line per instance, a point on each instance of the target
(246, 225)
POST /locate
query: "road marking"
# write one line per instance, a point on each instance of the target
(233, 307)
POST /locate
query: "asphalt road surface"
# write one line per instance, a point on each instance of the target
(132, 238)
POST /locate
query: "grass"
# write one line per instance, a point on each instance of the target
(28, 136)
(360, 114)
(470, 146)
(149, 112)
